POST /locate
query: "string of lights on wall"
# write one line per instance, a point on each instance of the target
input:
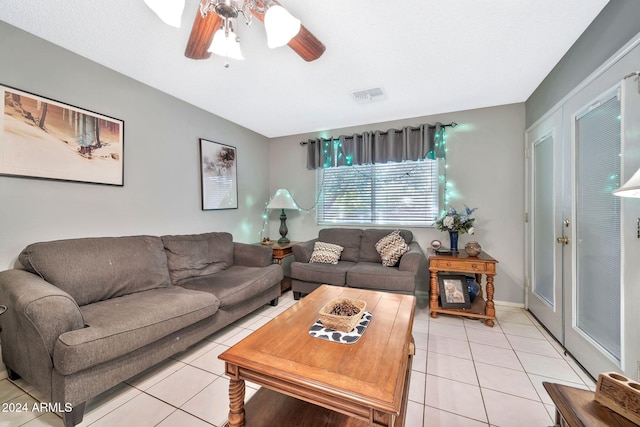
(440, 146)
(440, 142)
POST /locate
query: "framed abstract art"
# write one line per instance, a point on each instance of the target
(219, 175)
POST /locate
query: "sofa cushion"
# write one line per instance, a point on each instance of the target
(326, 253)
(332, 274)
(391, 248)
(348, 238)
(371, 236)
(198, 254)
(117, 326)
(302, 251)
(236, 284)
(100, 268)
(368, 275)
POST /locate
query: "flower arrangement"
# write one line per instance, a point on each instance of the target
(453, 221)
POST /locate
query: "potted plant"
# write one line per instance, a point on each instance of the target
(456, 223)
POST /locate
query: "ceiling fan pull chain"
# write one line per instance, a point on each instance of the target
(246, 12)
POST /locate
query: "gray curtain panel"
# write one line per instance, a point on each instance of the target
(393, 145)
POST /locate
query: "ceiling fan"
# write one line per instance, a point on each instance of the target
(213, 27)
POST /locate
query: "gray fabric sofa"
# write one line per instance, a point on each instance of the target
(86, 314)
(360, 265)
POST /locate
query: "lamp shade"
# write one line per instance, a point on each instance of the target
(226, 46)
(170, 11)
(282, 200)
(630, 188)
(280, 26)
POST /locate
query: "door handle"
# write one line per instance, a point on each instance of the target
(563, 240)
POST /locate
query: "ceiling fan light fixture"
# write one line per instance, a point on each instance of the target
(280, 25)
(170, 11)
(226, 45)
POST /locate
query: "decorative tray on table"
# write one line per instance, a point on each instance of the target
(341, 320)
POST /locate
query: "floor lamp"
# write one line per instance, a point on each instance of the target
(282, 200)
(630, 188)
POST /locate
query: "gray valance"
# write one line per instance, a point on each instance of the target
(393, 145)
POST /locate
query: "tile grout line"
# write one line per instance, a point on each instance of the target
(475, 368)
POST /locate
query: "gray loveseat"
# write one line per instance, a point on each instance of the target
(86, 314)
(360, 264)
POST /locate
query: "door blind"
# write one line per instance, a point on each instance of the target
(598, 145)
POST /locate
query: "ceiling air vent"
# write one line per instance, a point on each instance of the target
(367, 96)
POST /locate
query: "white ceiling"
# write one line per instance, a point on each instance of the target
(429, 56)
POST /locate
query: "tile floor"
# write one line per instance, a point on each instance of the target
(464, 374)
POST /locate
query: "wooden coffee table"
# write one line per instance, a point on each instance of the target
(310, 381)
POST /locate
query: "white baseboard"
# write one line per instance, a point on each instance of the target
(509, 304)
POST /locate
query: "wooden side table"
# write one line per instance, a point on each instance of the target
(463, 263)
(281, 254)
(577, 408)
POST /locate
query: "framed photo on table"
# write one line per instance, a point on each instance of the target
(219, 175)
(47, 139)
(453, 291)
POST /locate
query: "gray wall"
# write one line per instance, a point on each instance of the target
(485, 161)
(161, 193)
(618, 23)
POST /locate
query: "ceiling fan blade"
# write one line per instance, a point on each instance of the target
(305, 44)
(201, 35)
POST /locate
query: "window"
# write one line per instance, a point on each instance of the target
(406, 194)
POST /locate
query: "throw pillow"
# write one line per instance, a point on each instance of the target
(391, 248)
(326, 253)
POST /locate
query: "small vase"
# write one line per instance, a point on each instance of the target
(453, 240)
(473, 248)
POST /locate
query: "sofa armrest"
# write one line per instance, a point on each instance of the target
(414, 260)
(302, 251)
(38, 313)
(252, 255)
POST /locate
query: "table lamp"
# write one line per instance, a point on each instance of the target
(282, 200)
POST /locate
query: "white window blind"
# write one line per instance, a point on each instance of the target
(404, 193)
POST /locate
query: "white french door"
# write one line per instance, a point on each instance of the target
(593, 305)
(546, 193)
(574, 256)
(582, 242)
